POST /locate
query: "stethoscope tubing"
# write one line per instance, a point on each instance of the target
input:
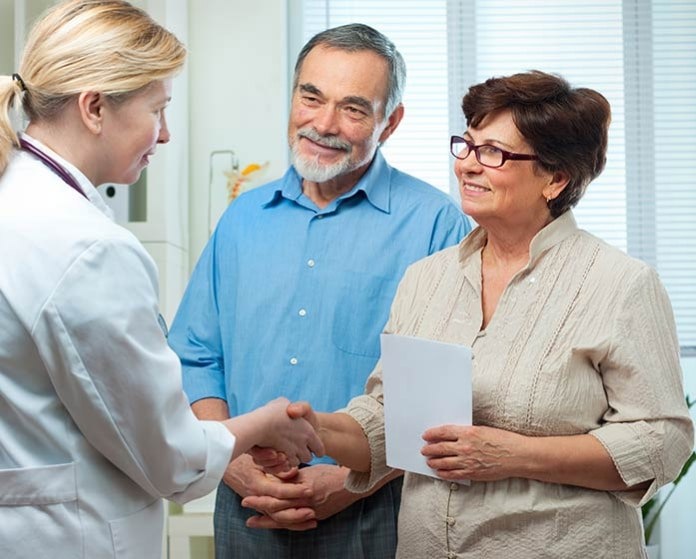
(52, 164)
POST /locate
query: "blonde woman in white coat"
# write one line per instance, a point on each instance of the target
(94, 427)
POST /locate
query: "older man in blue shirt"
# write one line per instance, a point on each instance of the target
(294, 287)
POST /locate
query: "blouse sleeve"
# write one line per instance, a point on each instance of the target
(647, 429)
(368, 408)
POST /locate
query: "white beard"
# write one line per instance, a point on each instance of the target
(309, 168)
(313, 170)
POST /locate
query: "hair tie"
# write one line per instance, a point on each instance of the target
(20, 81)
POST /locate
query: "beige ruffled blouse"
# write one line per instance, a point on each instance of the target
(583, 341)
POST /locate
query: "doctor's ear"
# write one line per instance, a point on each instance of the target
(91, 107)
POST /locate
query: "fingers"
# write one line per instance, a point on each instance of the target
(279, 470)
(288, 474)
(286, 491)
(280, 514)
(455, 475)
(302, 442)
(281, 510)
(268, 523)
(268, 458)
(443, 433)
(315, 444)
(439, 449)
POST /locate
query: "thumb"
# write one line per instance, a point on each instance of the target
(297, 410)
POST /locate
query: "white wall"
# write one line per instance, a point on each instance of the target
(238, 94)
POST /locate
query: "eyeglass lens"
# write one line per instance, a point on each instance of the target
(486, 155)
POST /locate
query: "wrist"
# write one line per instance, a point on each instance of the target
(524, 459)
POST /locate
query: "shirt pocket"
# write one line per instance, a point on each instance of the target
(39, 513)
(139, 534)
(362, 312)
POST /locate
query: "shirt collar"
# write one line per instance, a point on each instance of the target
(85, 184)
(555, 232)
(375, 183)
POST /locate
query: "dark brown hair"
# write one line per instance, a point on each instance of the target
(565, 126)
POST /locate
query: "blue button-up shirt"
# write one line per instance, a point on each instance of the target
(289, 299)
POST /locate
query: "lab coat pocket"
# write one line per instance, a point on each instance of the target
(139, 535)
(361, 315)
(38, 512)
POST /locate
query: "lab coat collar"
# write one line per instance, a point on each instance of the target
(85, 184)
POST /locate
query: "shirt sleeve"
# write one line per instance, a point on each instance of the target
(647, 431)
(112, 369)
(195, 332)
(450, 227)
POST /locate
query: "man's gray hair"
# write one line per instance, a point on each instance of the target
(356, 37)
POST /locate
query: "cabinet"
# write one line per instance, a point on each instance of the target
(156, 208)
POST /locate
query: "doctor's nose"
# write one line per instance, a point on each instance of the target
(164, 135)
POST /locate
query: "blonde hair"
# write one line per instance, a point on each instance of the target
(108, 46)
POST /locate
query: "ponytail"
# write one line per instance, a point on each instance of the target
(11, 93)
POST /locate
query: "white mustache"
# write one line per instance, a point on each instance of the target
(327, 141)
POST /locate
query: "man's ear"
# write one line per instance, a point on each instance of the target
(392, 123)
(91, 107)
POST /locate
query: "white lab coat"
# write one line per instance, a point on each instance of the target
(94, 426)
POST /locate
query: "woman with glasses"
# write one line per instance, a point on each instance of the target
(578, 404)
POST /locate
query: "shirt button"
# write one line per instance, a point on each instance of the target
(320, 216)
(451, 521)
(302, 312)
(310, 263)
(451, 555)
(454, 486)
(293, 361)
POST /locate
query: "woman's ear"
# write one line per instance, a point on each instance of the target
(91, 107)
(557, 184)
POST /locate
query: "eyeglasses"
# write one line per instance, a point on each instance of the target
(486, 154)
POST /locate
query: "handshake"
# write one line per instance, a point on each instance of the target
(282, 435)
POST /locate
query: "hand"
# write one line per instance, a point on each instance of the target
(327, 498)
(276, 462)
(270, 460)
(471, 452)
(295, 437)
(246, 479)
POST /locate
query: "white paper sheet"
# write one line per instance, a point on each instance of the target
(426, 384)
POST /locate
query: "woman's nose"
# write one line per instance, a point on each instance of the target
(467, 165)
(164, 135)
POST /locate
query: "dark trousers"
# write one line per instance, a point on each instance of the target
(365, 530)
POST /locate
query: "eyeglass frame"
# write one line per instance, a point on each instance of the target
(507, 155)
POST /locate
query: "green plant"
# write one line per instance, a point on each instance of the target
(651, 516)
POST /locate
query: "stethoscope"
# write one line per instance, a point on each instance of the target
(56, 167)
